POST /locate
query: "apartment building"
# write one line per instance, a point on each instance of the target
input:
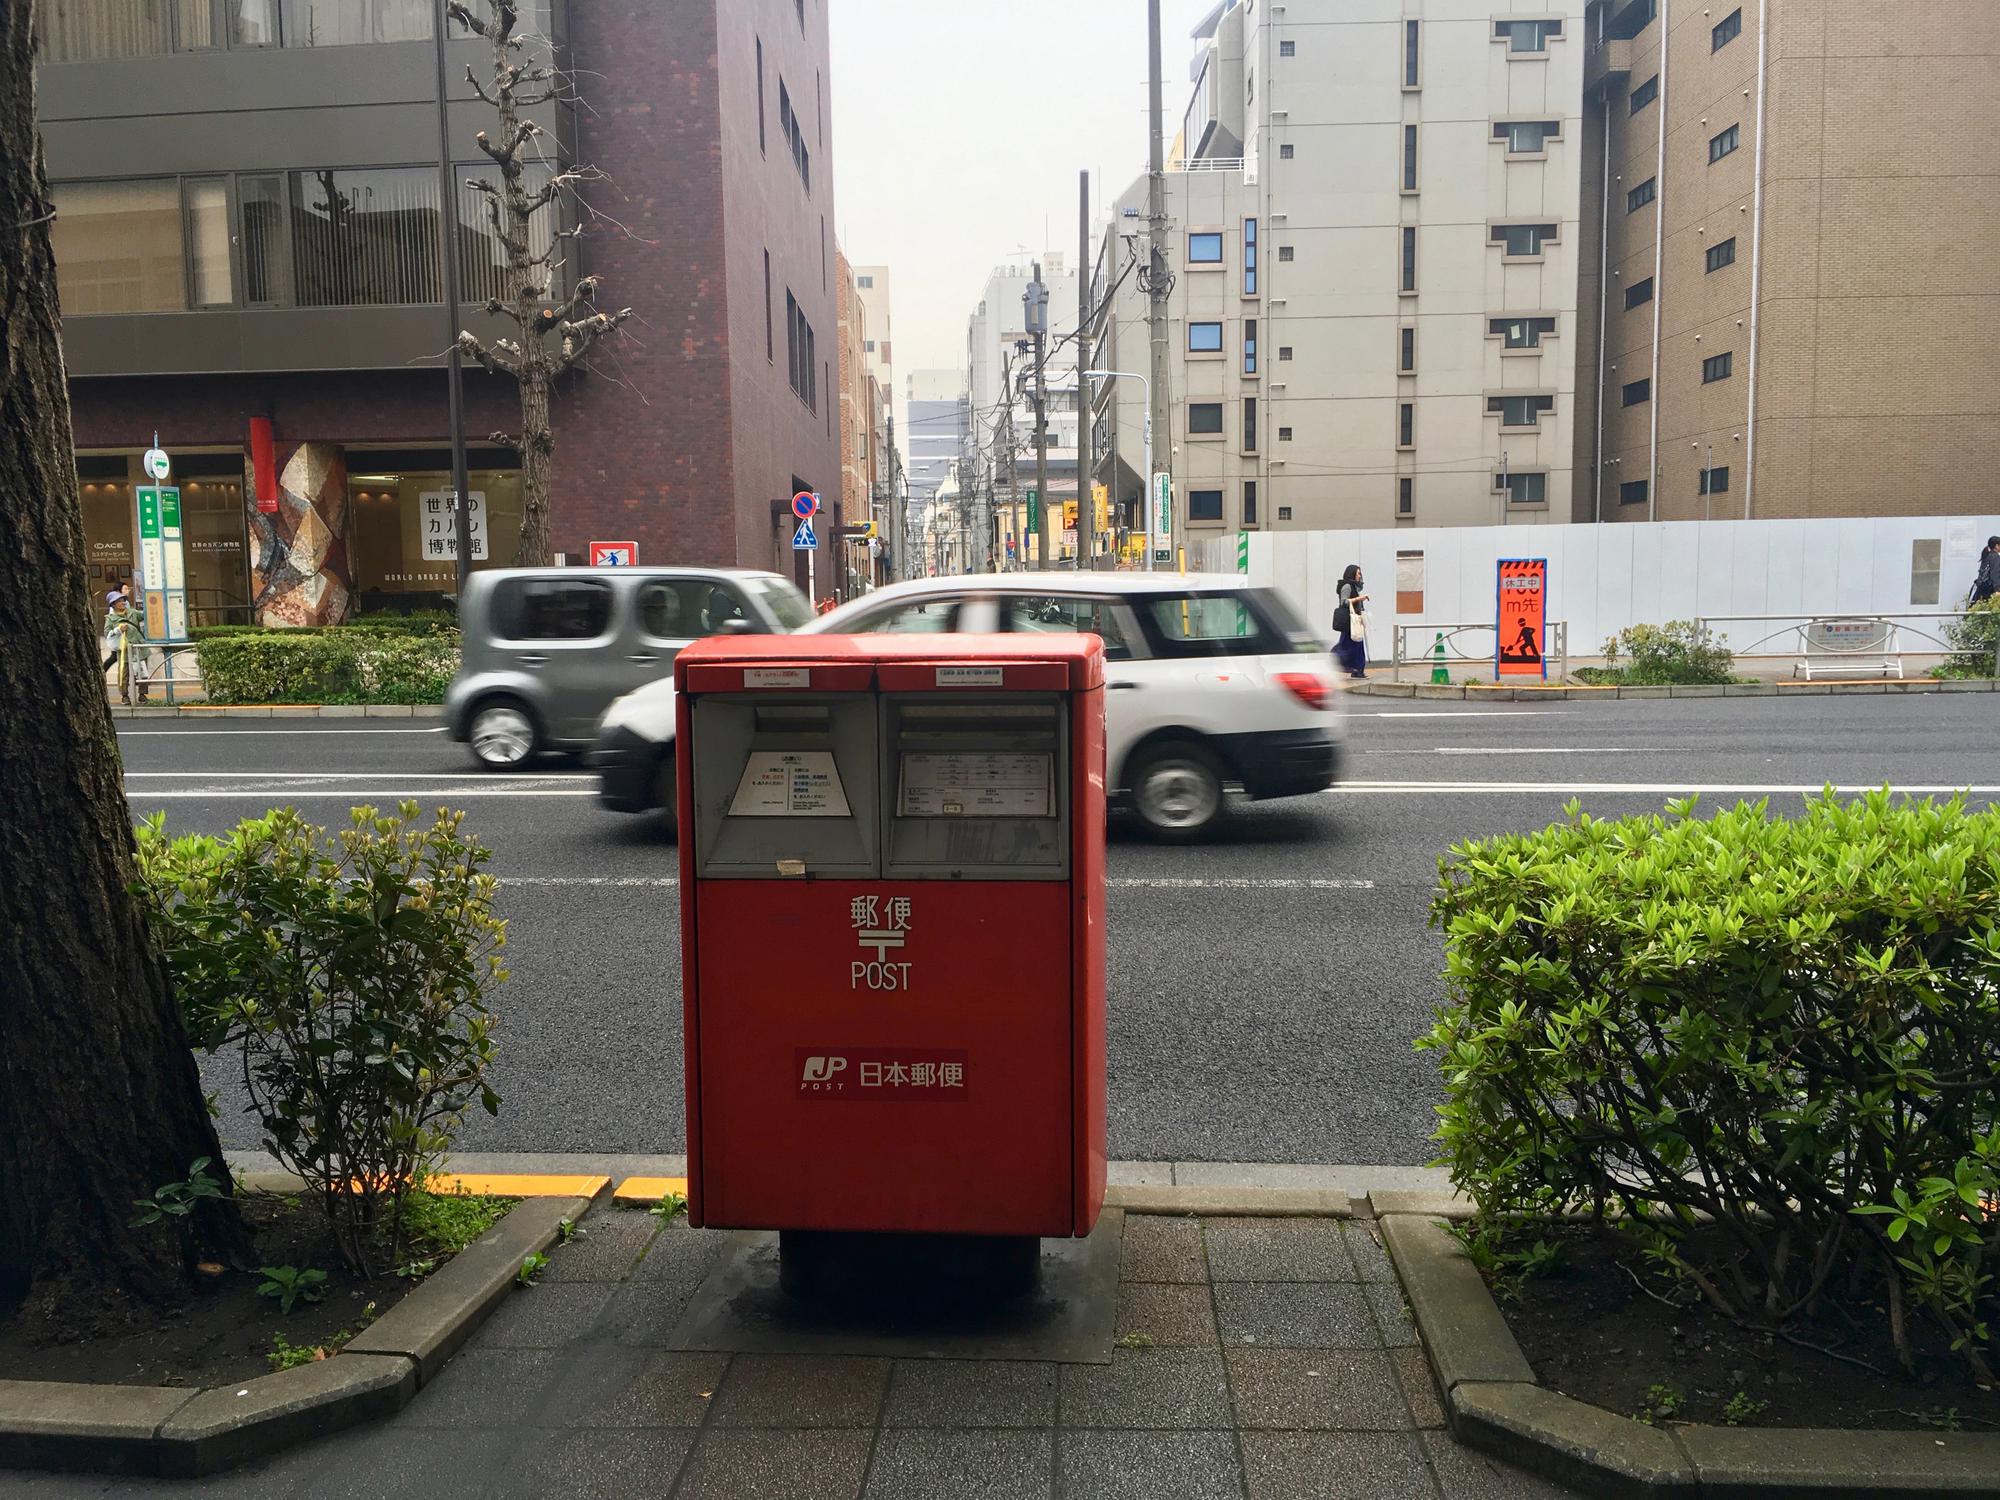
(1373, 211)
(247, 240)
(862, 425)
(1790, 222)
(873, 285)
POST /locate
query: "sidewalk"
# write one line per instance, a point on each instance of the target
(1264, 1358)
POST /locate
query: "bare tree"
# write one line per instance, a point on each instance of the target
(100, 1104)
(553, 337)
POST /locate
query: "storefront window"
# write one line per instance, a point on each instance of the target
(390, 550)
(218, 573)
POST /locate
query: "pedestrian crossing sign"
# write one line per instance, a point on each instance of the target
(803, 540)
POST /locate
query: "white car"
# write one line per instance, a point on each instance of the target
(1208, 682)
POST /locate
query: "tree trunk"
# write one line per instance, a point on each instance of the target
(537, 451)
(100, 1103)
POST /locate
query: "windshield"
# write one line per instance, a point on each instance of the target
(786, 604)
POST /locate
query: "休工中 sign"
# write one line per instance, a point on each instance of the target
(1522, 618)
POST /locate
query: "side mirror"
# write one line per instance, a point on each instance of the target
(737, 625)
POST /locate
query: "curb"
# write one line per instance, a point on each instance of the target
(185, 1433)
(278, 711)
(1566, 691)
(1493, 1403)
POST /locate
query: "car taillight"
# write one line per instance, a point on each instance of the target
(1309, 688)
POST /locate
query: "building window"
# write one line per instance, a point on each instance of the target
(1249, 257)
(1632, 20)
(1249, 424)
(1284, 252)
(1715, 481)
(1638, 293)
(1284, 434)
(92, 29)
(1409, 271)
(1204, 250)
(1526, 36)
(1717, 367)
(1284, 353)
(1720, 255)
(117, 245)
(1250, 505)
(1284, 513)
(802, 348)
(1527, 137)
(1520, 240)
(1925, 554)
(1204, 505)
(1523, 489)
(366, 238)
(1204, 338)
(770, 346)
(1409, 158)
(1519, 411)
(1204, 417)
(1632, 492)
(1285, 152)
(1640, 196)
(205, 205)
(1723, 144)
(794, 131)
(1645, 93)
(1288, 49)
(1406, 496)
(761, 123)
(1725, 31)
(1406, 349)
(1411, 56)
(866, 283)
(1406, 424)
(1249, 346)
(1638, 392)
(1521, 333)
(267, 259)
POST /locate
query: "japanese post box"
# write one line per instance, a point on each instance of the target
(892, 918)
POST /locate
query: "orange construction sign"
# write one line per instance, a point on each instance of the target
(1522, 618)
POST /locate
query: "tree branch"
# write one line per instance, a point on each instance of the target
(578, 336)
(496, 360)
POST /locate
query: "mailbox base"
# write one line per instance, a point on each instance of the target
(939, 1270)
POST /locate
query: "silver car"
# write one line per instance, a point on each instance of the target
(546, 650)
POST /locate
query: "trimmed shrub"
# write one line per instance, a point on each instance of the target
(352, 974)
(1789, 1025)
(1656, 655)
(421, 622)
(333, 666)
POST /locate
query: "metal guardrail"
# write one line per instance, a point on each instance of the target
(1880, 638)
(1212, 164)
(1456, 638)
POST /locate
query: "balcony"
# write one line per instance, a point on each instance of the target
(1610, 61)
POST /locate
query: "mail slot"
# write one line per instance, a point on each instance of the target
(892, 918)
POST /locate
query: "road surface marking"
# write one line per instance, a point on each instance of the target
(1126, 883)
(414, 793)
(1668, 788)
(1531, 750)
(538, 779)
(1459, 713)
(237, 734)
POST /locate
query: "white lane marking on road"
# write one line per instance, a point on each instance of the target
(241, 734)
(1126, 883)
(1669, 788)
(1459, 713)
(415, 793)
(516, 781)
(1532, 750)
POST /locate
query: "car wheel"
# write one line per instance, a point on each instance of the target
(1176, 792)
(501, 734)
(666, 786)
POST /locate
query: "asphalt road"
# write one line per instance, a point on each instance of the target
(1265, 987)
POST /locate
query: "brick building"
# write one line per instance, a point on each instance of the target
(250, 234)
(1790, 251)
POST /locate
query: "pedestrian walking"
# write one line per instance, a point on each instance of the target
(1350, 624)
(1987, 584)
(124, 640)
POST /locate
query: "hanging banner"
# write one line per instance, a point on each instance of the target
(1522, 618)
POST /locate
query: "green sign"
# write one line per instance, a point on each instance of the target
(170, 509)
(149, 511)
(1034, 510)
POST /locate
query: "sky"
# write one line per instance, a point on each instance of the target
(959, 127)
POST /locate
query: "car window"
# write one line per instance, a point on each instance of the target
(787, 605)
(1067, 613)
(1207, 624)
(551, 609)
(678, 609)
(918, 617)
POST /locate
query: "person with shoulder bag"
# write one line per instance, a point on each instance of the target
(1350, 624)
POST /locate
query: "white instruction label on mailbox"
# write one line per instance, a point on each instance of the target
(789, 784)
(977, 784)
(777, 677)
(970, 677)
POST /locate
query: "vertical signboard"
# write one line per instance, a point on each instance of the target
(1163, 515)
(162, 563)
(1521, 625)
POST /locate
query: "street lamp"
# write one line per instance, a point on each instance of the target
(1146, 493)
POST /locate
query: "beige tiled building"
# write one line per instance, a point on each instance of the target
(1791, 235)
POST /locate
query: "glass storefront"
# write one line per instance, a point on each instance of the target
(401, 544)
(215, 550)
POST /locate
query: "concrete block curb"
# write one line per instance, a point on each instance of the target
(1427, 1202)
(1573, 691)
(433, 1322)
(1493, 1403)
(1249, 1203)
(187, 1432)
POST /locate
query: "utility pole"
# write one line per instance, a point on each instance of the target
(1086, 486)
(898, 565)
(1157, 280)
(1037, 301)
(454, 377)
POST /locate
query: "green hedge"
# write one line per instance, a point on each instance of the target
(331, 666)
(1790, 1026)
(422, 622)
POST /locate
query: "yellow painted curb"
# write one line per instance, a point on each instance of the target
(517, 1184)
(649, 1189)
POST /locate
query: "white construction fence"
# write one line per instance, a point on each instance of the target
(1749, 580)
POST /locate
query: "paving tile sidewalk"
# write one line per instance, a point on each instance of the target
(1260, 1359)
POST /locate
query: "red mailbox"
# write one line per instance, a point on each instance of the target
(892, 929)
